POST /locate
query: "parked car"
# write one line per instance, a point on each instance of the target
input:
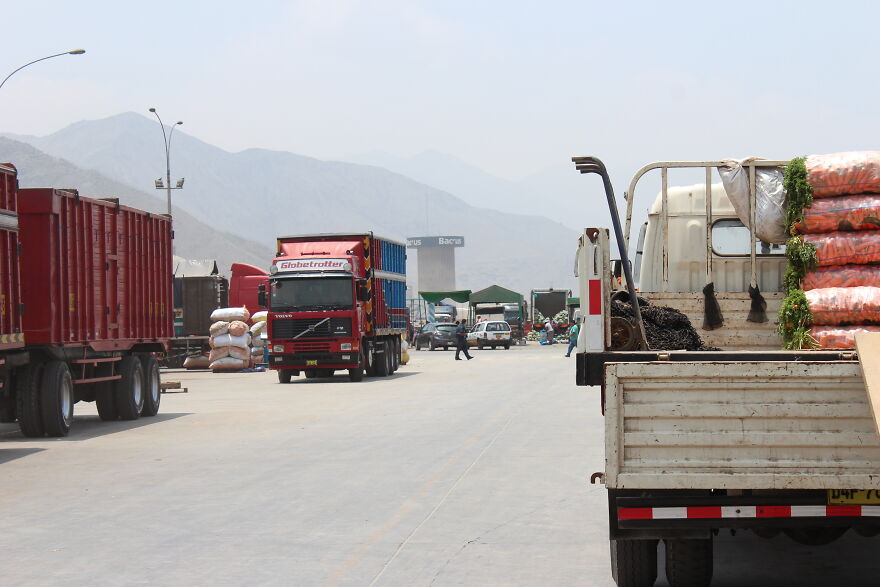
(436, 335)
(493, 333)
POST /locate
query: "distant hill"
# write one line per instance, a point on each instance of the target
(193, 239)
(260, 194)
(558, 192)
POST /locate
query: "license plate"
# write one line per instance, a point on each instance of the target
(853, 496)
(310, 363)
(499, 336)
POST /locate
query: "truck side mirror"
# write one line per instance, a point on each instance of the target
(363, 294)
(262, 297)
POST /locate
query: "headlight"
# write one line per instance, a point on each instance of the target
(278, 348)
(346, 346)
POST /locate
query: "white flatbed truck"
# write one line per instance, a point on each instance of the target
(698, 442)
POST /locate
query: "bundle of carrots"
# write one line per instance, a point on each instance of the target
(833, 214)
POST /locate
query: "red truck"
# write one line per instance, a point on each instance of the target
(336, 301)
(85, 306)
(244, 284)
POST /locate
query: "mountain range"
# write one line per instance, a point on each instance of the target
(234, 205)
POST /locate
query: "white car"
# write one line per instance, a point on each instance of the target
(493, 333)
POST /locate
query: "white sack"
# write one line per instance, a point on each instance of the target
(229, 364)
(769, 198)
(219, 328)
(229, 340)
(260, 317)
(230, 314)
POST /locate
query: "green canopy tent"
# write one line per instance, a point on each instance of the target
(495, 294)
(462, 296)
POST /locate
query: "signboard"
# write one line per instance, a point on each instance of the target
(313, 265)
(416, 242)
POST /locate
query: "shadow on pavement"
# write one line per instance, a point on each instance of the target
(86, 427)
(10, 454)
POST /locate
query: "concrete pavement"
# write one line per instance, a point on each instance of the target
(447, 473)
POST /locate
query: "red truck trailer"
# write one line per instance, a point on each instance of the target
(95, 307)
(336, 301)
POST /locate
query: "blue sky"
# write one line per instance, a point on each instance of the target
(513, 87)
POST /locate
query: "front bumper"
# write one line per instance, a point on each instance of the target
(344, 360)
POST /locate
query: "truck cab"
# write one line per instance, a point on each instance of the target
(331, 308)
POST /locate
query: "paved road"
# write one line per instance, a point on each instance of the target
(448, 473)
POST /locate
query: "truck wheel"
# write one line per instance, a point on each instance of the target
(311, 374)
(383, 361)
(27, 394)
(56, 398)
(7, 398)
(105, 399)
(507, 347)
(689, 562)
(395, 356)
(152, 386)
(634, 562)
(129, 390)
(284, 375)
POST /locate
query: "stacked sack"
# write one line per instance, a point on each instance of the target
(230, 339)
(833, 279)
(258, 322)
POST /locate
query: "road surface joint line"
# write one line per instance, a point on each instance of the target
(442, 500)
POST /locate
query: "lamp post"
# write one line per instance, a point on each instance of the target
(74, 52)
(167, 138)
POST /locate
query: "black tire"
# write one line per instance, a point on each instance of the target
(152, 386)
(56, 398)
(129, 390)
(383, 363)
(311, 373)
(689, 562)
(634, 562)
(357, 374)
(418, 344)
(27, 400)
(105, 400)
(507, 347)
(7, 398)
(395, 355)
(369, 360)
(284, 375)
(479, 345)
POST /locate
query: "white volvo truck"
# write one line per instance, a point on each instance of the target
(747, 437)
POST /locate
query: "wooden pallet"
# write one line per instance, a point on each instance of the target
(172, 387)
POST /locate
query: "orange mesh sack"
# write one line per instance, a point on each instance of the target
(836, 174)
(831, 306)
(842, 276)
(838, 338)
(846, 213)
(844, 248)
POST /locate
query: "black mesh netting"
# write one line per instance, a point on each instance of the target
(666, 328)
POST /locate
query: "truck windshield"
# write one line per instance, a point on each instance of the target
(311, 293)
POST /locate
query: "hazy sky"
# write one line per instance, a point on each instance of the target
(513, 87)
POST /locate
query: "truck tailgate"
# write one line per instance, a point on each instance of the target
(736, 425)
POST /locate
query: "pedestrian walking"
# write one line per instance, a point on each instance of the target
(573, 332)
(461, 340)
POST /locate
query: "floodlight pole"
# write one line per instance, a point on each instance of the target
(167, 139)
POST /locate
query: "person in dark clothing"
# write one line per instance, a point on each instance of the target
(461, 340)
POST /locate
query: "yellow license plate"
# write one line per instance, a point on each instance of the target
(311, 363)
(499, 336)
(853, 496)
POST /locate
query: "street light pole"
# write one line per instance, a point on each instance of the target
(167, 138)
(74, 52)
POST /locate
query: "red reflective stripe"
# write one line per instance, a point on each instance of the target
(634, 514)
(704, 512)
(843, 511)
(595, 297)
(773, 511)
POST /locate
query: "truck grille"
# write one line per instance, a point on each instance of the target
(305, 347)
(285, 329)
